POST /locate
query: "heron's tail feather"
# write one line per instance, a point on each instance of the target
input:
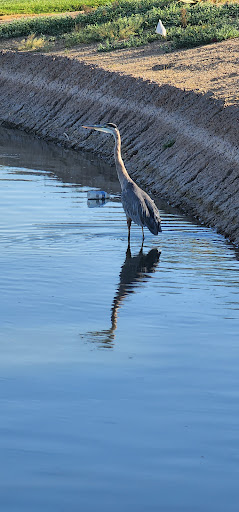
(152, 218)
(153, 225)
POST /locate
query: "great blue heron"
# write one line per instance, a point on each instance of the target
(138, 206)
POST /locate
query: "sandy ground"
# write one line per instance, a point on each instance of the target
(211, 69)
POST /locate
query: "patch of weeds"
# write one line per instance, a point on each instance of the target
(169, 144)
(131, 42)
(184, 17)
(119, 9)
(33, 43)
(204, 34)
(111, 31)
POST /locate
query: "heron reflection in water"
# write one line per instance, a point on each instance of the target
(134, 271)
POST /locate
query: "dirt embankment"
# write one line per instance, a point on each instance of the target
(180, 143)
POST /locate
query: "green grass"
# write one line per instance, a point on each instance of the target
(45, 6)
(132, 23)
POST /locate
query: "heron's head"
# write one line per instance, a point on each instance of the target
(106, 128)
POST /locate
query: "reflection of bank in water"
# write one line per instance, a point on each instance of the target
(135, 270)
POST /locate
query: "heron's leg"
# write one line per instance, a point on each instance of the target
(129, 225)
(142, 245)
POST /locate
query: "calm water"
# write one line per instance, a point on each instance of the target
(119, 372)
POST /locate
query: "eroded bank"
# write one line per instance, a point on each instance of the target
(182, 145)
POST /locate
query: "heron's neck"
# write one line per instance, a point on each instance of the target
(123, 176)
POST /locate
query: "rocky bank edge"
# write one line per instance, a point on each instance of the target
(52, 95)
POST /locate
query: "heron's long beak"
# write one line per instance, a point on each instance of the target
(98, 127)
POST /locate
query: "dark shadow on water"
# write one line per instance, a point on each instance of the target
(135, 271)
(69, 167)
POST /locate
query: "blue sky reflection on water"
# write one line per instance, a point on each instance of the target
(119, 372)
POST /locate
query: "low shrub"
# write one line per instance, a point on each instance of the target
(202, 34)
(38, 26)
(123, 28)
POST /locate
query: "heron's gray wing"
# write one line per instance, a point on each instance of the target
(132, 202)
(151, 215)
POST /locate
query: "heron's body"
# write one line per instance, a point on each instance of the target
(138, 206)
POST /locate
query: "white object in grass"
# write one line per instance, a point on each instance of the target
(161, 29)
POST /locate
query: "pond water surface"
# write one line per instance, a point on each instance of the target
(119, 371)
